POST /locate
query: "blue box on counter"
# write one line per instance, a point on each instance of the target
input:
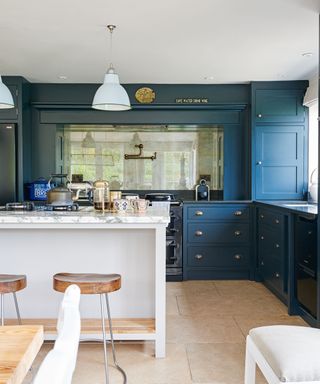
(37, 190)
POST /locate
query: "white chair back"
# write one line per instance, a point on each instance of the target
(59, 364)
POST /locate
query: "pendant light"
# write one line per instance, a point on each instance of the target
(6, 100)
(111, 96)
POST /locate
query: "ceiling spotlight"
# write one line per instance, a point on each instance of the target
(62, 77)
(209, 77)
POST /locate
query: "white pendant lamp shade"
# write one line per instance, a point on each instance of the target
(6, 100)
(111, 96)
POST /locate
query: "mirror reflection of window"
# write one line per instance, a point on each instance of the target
(184, 154)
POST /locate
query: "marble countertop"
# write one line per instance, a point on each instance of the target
(85, 215)
(293, 206)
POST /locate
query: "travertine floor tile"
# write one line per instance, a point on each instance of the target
(138, 362)
(203, 329)
(218, 363)
(247, 322)
(242, 289)
(230, 305)
(172, 306)
(191, 287)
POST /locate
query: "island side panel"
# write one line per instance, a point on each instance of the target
(40, 253)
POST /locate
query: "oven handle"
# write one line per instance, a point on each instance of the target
(173, 244)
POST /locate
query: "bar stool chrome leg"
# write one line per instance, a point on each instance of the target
(112, 342)
(104, 339)
(17, 307)
(2, 308)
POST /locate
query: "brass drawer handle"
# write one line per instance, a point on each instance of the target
(198, 233)
(277, 245)
(306, 261)
(237, 257)
(261, 216)
(198, 257)
(277, 275)
(199, 213)
(238, 213)
(237, 233)
(262, 237)
(277, 221)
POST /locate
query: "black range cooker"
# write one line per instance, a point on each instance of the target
(173, 235)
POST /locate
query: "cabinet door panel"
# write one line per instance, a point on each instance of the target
(275, 106)
(279, 162)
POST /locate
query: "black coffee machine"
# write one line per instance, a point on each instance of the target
(202, 190)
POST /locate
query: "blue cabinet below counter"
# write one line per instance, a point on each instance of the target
(272, 250)
(217, 241)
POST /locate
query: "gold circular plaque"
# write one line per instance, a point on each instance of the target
(145, 95)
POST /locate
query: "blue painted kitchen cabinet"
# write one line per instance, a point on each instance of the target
(279, 133)
(217, 241)
(272, 250)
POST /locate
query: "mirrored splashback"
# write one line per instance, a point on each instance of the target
(143, 157)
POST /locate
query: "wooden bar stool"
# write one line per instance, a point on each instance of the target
(95, 284)
(11, 284)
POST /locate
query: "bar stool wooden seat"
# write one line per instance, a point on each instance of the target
(95, 284)
(11, 284)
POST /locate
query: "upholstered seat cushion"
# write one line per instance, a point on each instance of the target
(292, 352)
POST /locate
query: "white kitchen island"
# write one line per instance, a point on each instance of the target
(40, 244)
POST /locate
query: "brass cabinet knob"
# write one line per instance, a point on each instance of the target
(262, 237)
(238, 213)
(237, 257)
(277, 221)
(259, 115)
(198, 233)
(310, 232)
(306, 261)
(277, 275)
(261, 216)
(199, 213)
(198, 257)
(262, 263)
(277, 245)
(237, 233)
(259, 162)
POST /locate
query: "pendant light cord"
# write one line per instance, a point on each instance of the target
(111, 29)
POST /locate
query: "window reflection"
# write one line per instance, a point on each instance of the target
(184, 155)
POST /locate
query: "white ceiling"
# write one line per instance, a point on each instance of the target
(164, 41)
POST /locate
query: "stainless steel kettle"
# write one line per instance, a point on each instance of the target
(61, 195)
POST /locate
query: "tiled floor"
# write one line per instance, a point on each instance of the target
(207, 322)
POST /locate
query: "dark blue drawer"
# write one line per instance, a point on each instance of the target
(218, 232)
(271, 218)
(219, 212)
(219, 257)
(273, 274)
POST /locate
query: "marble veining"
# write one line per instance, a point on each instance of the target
(84, 216)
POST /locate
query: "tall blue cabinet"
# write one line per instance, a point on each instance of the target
(279, 139)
